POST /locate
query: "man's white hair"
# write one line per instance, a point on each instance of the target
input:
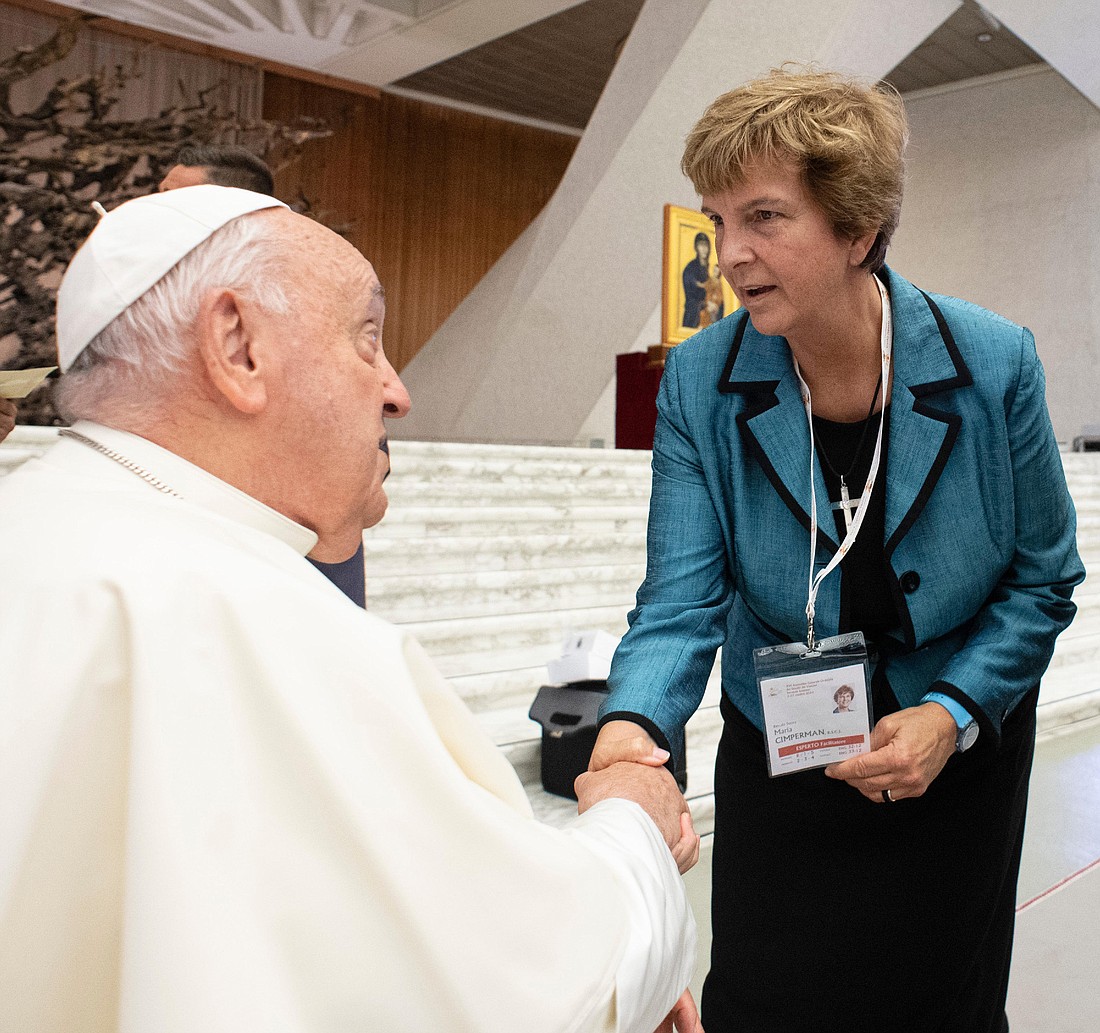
(130, 362)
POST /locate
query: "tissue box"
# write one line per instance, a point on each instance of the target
(585, 656)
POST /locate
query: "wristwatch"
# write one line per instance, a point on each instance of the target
(967, 728)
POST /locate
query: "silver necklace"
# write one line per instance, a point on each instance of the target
(129, 464)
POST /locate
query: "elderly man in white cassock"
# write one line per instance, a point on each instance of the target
(231, 801)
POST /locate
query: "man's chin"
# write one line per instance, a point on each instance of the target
(376, 510)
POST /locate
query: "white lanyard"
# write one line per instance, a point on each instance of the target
(887, 341)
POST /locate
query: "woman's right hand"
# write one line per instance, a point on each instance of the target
(626, 741)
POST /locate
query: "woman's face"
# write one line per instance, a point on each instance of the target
(778, 251)
(702, 250)
(843, 700)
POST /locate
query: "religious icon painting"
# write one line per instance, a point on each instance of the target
(694, 294)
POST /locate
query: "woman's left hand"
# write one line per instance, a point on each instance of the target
(908, 750)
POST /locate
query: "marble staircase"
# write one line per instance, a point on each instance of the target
(490, 555)
(517, 546)
(520, 545)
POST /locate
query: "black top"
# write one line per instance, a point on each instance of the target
(349, 576)
(866, 601)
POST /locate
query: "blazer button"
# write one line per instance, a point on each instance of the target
(910, 581)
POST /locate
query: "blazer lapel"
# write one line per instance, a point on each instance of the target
(926, 362)
(773, 423)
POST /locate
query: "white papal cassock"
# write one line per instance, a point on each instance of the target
(233, 802)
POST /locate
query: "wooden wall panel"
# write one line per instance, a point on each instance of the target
(433, 196)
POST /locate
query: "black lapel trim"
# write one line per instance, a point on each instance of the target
(954, 422)
(760, 397)
(962, 377)
(729, 387)
(823, 540)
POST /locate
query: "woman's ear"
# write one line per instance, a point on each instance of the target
(861, 247)
(230, 345)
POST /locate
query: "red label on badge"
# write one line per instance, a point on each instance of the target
(820, 744)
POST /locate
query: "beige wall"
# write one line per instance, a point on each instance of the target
(1002, 208)
(529, 354)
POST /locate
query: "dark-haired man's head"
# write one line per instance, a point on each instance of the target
(222, 166)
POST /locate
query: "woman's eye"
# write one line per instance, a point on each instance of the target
(765, 216)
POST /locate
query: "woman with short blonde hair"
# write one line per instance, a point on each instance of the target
(843, 420)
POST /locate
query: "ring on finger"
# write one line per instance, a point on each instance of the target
(886, 797)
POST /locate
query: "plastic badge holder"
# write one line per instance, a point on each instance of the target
(816, 704)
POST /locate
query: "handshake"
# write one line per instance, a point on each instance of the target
(627, 764)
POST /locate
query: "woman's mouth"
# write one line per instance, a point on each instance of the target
(758, 292)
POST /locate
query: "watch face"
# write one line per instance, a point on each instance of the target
(968, 736)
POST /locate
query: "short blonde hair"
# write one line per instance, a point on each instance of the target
(847, 136)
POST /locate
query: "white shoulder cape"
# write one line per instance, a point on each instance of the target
(233, 802)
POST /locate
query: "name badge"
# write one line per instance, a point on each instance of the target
(817, 708)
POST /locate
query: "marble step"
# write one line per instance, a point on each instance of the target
(1085, 492)
(479, 519)
(499, 689)
(513, 552)
(403, 598)
(1078, 649)
(704, 730)
(509, 725)
(1088, 527)
(543, 630)
(502, 673)
(438, 453)
(1074, 669)
(1067, 680)
(1080, 462)
(507, 653)
(489, 465)
(534, 489)
(545, 627)
(1090, 587)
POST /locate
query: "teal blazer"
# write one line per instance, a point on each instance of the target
(979, 537)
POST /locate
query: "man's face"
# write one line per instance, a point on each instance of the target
(183, 176)
(340, 385)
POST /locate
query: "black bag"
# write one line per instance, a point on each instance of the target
(569, 715)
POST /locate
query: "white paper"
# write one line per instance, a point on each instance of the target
(18, 383)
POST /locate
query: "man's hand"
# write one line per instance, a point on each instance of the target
(625, 741)
(656, 792)
(908, 750)
(7, 417)
(684, 1017)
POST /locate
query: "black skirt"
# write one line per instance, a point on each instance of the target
(833, 914)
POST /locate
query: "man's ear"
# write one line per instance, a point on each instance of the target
(230, 349)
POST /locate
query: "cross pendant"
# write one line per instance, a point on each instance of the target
(846, 505)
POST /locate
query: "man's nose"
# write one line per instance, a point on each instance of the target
(395, 399)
